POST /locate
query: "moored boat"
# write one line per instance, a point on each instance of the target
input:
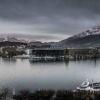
(87, 86)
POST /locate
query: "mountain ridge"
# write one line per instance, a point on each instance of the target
(88, 38)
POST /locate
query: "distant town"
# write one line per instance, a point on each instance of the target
(37, 51)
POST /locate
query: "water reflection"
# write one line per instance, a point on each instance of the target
(8, 60)
(32, 62)
(19, 73)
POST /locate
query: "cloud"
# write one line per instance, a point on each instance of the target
(45, 18)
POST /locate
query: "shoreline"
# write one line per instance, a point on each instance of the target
(56, 95)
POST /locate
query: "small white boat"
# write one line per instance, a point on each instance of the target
(87, 86)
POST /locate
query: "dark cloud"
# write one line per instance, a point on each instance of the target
(48, 17)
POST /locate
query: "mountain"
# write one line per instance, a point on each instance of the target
(88, 38)
(17, 36)
(10, 40)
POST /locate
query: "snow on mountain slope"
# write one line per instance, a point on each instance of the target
(88, 38)
(92, 31)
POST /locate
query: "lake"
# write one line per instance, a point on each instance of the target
(25, 74)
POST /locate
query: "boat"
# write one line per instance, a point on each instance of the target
(87, 86)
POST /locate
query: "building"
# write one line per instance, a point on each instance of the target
(81, 53)
(46, 54)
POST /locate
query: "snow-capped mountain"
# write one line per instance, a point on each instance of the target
(92, 31)
(16, 37)
(88, 38)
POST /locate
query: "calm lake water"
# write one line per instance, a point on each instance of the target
(23, 74)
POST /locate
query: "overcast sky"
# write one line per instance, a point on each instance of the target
(50, 20)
